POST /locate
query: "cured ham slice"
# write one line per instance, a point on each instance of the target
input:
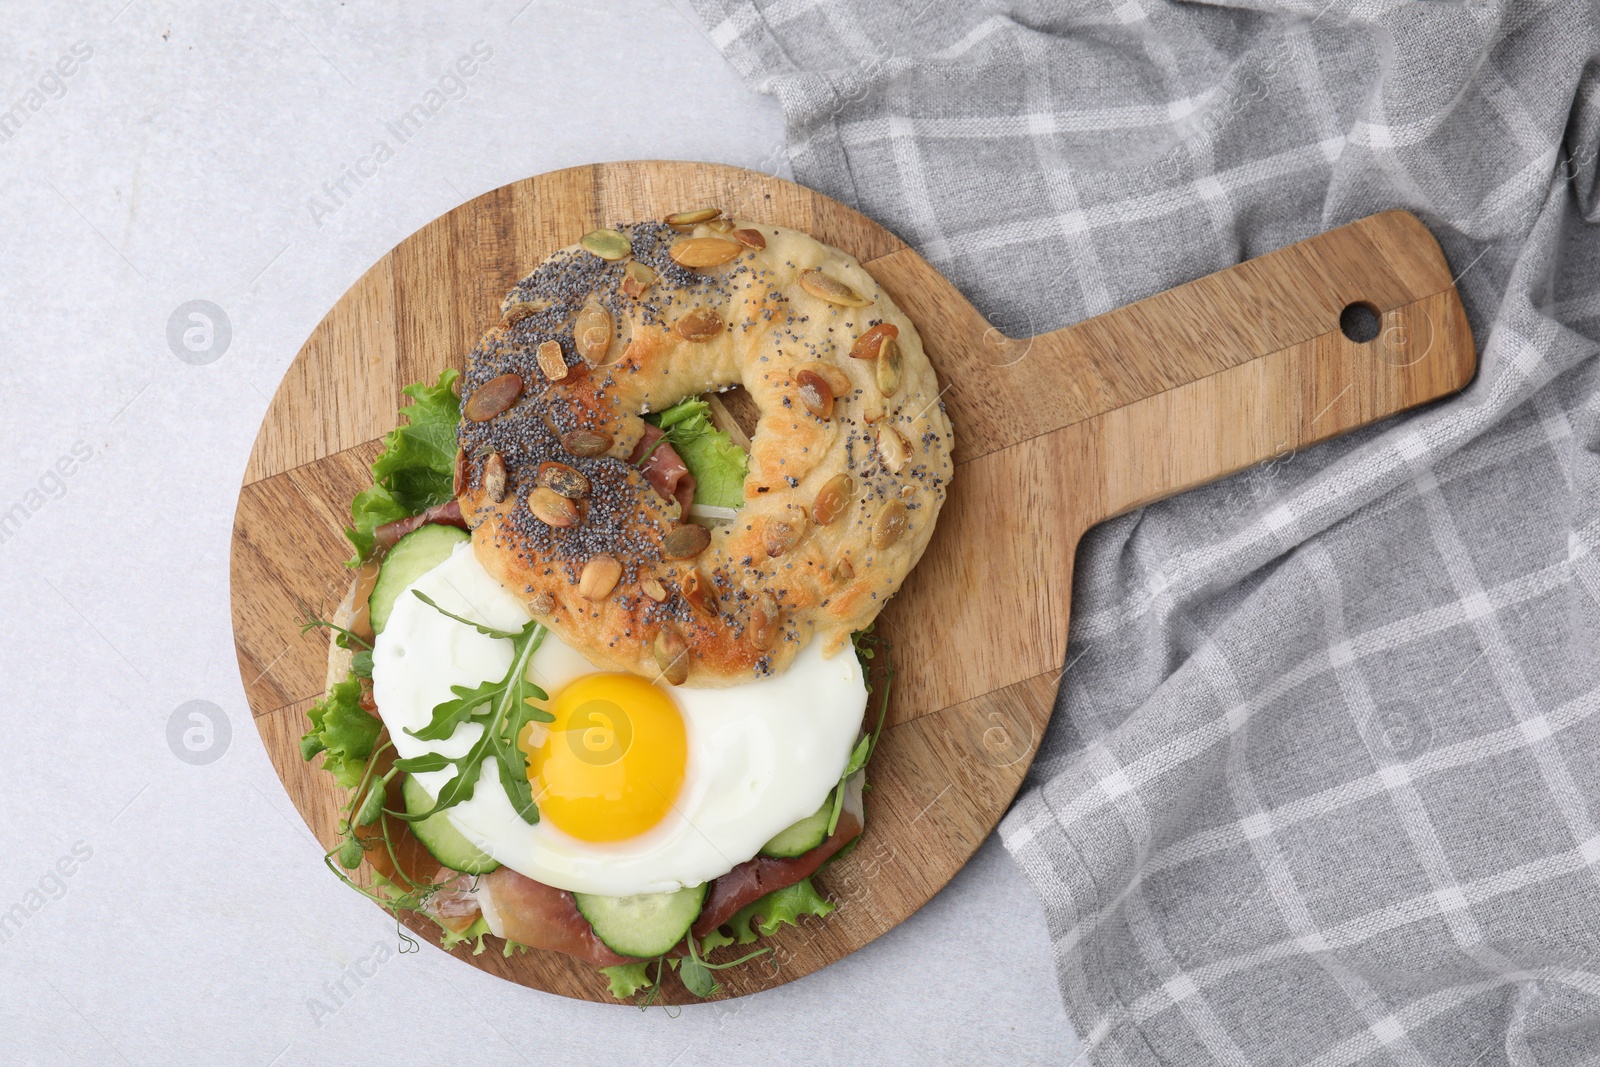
(755, 878)
(446, 514)
(664, 469)
(531, 913)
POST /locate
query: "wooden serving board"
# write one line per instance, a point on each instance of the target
(1053, 434)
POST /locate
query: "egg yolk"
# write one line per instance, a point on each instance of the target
(612, 763)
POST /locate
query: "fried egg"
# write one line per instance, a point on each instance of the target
(641, 787)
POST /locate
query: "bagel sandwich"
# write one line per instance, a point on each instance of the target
(605, 681)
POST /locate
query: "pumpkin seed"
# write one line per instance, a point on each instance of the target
(599, 577)
(551, 361)
(890, 364)
(844, 570)
(720, 225)
(654, 590)
(518, 311)
(672, 655)
(869, 344)
(494, 477)
(700, 594)
(832, 499)
(890, 525)
(699, 325)
(591, 334)
(704, 251)
(766, 622)
(780, 535)
(551, 508)
(636, 278)
(607, 244)
(686, 541)
(750, 238)
(826, 287)
(892, 449)
(492, 397)
(815, 394)
(689, 218)
(458, 484)
(562, 479)
(837, 379)
(542, 604)
(586, 442)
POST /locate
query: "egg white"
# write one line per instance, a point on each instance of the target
(761, 756)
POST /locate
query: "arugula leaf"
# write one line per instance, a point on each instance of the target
(416, 468)
(428, 761)
(719, 466)
(503, 709)
(452, 713)
(343, 732)
(518, 791)
(628, 978)
(788, 905)
(487, 631)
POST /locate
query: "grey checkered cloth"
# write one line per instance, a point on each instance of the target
(1322, 779)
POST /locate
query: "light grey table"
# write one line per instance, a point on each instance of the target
(159, 909)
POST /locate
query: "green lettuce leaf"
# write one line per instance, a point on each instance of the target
(628, 978)
(343, 732)
(370, 509)
(476, 932)
(719, 466)
(416, 469)
(788, 905)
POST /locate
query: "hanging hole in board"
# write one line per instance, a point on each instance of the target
(1359, 322)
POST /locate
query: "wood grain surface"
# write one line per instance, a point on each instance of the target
(1054, 434)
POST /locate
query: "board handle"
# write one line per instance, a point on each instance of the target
(1213, 375)
(1368, 359)
(1059, 432)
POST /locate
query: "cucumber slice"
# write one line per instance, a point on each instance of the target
(647, 924)
(803, 836)
(442, 839)
(414, 555)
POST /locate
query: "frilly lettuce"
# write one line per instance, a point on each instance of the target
(628, 978)
(766, 915)
(343, 732)
(416, 468)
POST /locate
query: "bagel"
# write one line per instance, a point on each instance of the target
(849, 462)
